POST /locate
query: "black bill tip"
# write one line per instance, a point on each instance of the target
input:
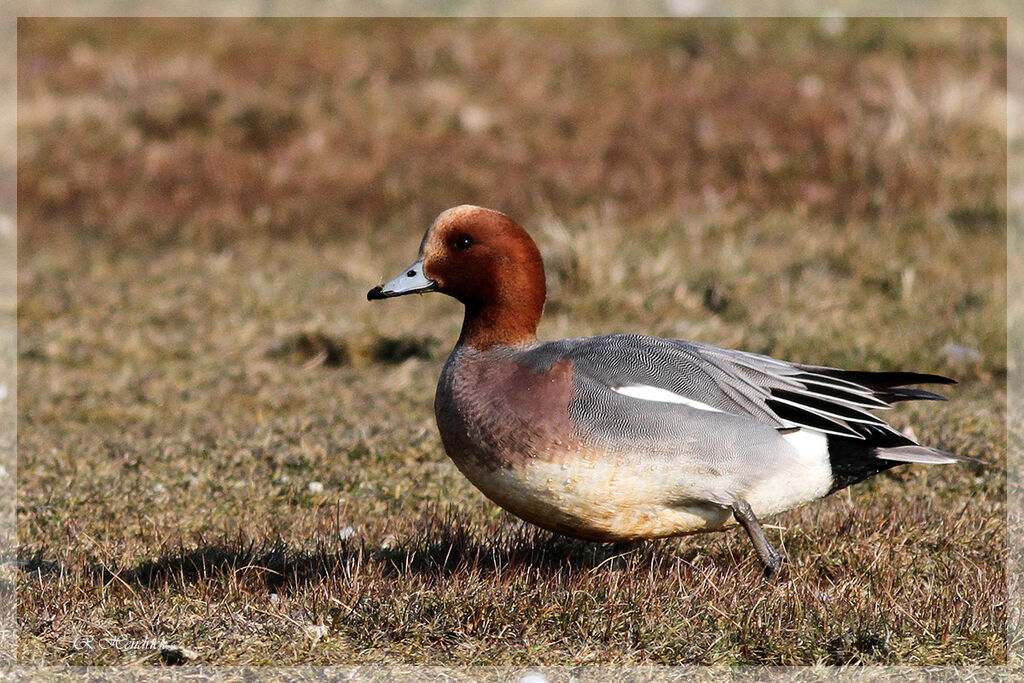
(375, 293)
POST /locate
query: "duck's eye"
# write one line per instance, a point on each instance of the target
(463, 242)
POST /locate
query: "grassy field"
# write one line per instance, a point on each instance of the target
(224, 448)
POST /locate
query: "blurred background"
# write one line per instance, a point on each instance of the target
(151, 131)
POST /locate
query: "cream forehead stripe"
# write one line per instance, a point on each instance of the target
(428, 246)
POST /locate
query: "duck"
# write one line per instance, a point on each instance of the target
(625, 437)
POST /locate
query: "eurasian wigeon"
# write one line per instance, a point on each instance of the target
(626, 437)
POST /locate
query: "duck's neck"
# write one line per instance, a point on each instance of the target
(509, 311)
(487, 325)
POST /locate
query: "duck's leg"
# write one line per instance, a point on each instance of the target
(771, 557)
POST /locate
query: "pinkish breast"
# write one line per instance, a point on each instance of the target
(493, 412)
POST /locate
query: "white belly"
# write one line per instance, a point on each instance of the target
(614, 497)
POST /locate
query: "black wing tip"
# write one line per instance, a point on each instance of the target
(900, 378)
(878, 378)
(928, 378)
(900, 394)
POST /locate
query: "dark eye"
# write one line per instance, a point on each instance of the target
(463, 242)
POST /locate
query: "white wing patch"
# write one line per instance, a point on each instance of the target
(649, 393)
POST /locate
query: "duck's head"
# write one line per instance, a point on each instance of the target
(487, 261)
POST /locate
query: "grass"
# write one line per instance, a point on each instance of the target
(222, 446)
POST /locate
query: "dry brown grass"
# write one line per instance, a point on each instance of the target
(222, 445)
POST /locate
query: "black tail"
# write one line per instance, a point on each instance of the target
(854, 460)
(881, 447)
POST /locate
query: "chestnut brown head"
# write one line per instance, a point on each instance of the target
(486, 261)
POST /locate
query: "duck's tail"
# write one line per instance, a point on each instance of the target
(922, 454)
(880, 446)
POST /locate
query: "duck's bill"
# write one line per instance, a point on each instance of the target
(409, 282)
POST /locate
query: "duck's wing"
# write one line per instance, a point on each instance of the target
(781, 394)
